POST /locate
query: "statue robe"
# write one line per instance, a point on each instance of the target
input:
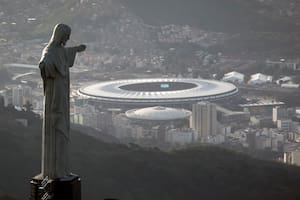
(54, 67)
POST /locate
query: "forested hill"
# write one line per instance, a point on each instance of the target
(255, 28)
(134, 173)
(217, 15)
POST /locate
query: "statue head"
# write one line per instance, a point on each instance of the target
(61, 34)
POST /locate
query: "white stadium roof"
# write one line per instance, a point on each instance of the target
(21, 65)
(158, 113)
(169, 90)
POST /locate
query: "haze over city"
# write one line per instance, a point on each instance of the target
(172, 99)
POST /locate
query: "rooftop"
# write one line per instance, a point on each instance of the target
(158, 90)
(260, 104)
(158, 113)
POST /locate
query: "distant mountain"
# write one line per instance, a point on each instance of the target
(135, 173)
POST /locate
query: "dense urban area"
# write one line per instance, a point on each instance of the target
(261, 120)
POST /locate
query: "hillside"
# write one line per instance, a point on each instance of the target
(255, 28)
(258, 29)
(134, 173)
(217, 15)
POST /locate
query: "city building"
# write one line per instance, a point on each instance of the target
(180, 136)
(204, 119)
(292, 158)
(283, 64)
(17, 99)
(261, 121)
(295, 128)
(261, 108)
(279, 113)
(259, 78)
(155, 122)
(290, 85)
(284, 125)
(92, 116)
(263, 142)
(285, 79)
(293, 136)
(216, 139)
(158, 113)
(234, 77)
(21, 94)
(226, 116)
(270, 139)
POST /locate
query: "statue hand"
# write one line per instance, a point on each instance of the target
(81, 48)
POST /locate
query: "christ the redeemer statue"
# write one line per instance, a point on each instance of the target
(54, 65)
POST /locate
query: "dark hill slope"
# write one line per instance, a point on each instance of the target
(134, 173)
(218, 15)
(258, 29)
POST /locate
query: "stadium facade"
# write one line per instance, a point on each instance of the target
(171, 92)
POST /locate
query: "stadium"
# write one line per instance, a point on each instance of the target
(172, 92)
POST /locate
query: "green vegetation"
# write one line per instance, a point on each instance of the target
(62, 14)
(223, 16)
(134, 173)
(254, 33)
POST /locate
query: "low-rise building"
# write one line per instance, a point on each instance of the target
(259, 138)
(226, 116)
(283, 80)
(155, 124)
(284, 125)
(234, 77)
(261, 108)
(260, 78)
(292, 158)
(263, 142)
(180, 136)
(290, 85)
(216, 139)
(21, 94)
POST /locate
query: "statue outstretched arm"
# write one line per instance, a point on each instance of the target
(81, 48)
(71, 53)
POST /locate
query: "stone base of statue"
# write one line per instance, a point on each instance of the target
(64, 188)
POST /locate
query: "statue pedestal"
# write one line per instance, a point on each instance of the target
(64, 188)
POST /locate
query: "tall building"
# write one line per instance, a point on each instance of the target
(279, 113)
(21, 94)
(204, 119)
(17, 97)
